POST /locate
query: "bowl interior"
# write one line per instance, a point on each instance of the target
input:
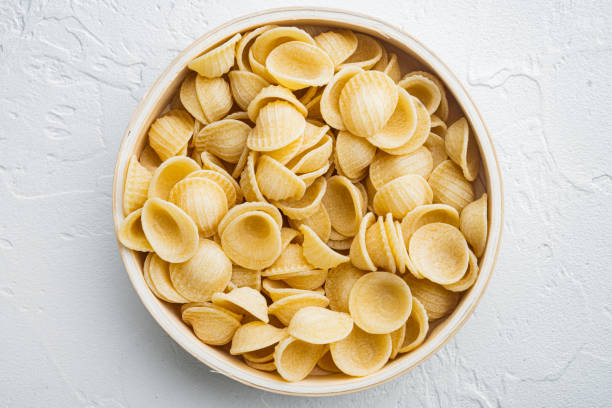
(412, 56)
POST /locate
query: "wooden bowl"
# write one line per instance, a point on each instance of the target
(160, 94)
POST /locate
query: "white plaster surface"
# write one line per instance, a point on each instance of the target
(73, 331)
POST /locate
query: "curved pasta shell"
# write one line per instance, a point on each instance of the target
(243, 277)
(361, 353)
(450, 186)
(386, 168)
(359, 252)
(340, 244)
(252, 240)
(156, 273)
(270, 94)
(295, 359)
(245, 86)
(317, 325)
(131, 234)
(398, 248)
(338, 44)
(189, 97)
(307, 280)
(242, 161)
(437, 147)
(297, 65)
(286, 307)
(171, 232)
(416, 328)
(314, 108)
(383, 61)
(203, 200)
(269, 366)
(256, 335)
(285, 154)
(288, 235)
(308, 204)
(136, 188)
(400, 127)
(378, 247)
(342, 200)
(170, 133)
(244, 300)
(276, 290)
(427, 214)
(424, 89)
(438, 126)
(240, 115)
(290, 262)
(439, 252)
(210, 162)
(368, 52)
(397, 339)
(318, 253)
(221, 180)
(393, 69)
(244, 45)
(402, 195)
(318, 221)
(217, 61)
(264, 355)
(330, 98)
(248, 181)
(326, 363)
(211, 325)
(420, 134)
(244, 208)
(437, 301)
(462, 149)
(307, 94)
(313, 159)
(309, 178)
(277, 182)
(186, 306)
(215, 97)
(149, 159)
(474, 224)
(468, 279)
(225, 139)
(442, 111)
(366, 102)
(278, 124)
(340, 281)
(353, 154)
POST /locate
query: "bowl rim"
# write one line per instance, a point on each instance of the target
(495, 191)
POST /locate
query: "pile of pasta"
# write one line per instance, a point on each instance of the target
(306, 203)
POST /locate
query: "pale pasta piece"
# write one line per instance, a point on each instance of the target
(211, 162)
(270, 94)
(393, 69)
(318, 253)
(383, 61)
(187, 306)
(189, 98)
(276, 290)
(277, 182)
(225, 139)
(468, 279)
(297, 65)
(136, 188)
(342, 200)
(248, 181)
(221, 180)
(131, 234)
(307, 280)
(313, 159)
(215, 97)
(397, 339)
(416, 327)
(264, 355)
(366, 102)
(290, 262)
(368, 52)
(338, 44)
(424, 89)
(211, 325)
(278, 124)
(269, 366)
(243, 277)
(149, 159)
(171, 232)
(245, 86)
(240, 115)
(400, 127)
(170, 133)
(314, 107)
(386, 167)
(156, 274)
(306, 206)
(436, 146)
(313, 133)
(364, 197)
(402, 195)
(309, 178)
(340, 281)
(256, 335)
(242, 161)
(244, 300)
(420, 134)
(307, 94)
(450, 186)
(442, 111)
(359, 252)
(437, 301)
(244, 208)
(295, 359)
(317, 325)
(244, 45)
(438, 126)
(288, 235)
(462, 149)
(217, 61)
(353, 154)
(361, 353)
(340, 244)
(378, 248)
(427, 214)
(326, 363)
(318, 221)
(474, 224)
(330, 98)
(286, 153)
(398, 248)
(284, 308)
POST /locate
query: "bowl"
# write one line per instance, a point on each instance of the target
(160, 94)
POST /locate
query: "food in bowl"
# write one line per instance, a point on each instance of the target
(308, 202)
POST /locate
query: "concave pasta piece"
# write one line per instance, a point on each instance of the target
(474, 224)
(131, 234)
(156, 273)
(386, 167)
(305, 95)
(371, 191)
(427, 214)
(249, 207)
(338, 44)
(468, 279)
(225, 139)
(397, 339)
(277, 182)
(211, 162)
(318, 221)
(353, 154)
(359, 251)
(186, 306)
(211, 325)
(342, 200)
(424, 89)
(308, 204)
(368, 52)
(269, 366)
(221, 180)
(245, 86)
(290, 262)
(217, 61)
(420, 134)
(170, 133)
(378, 247)
(270, 94)
(297, 65)
(416, 327)
(383, 61)
(364, 197)
(330, 98)
(240, 115)
(288, 235)
(318, 253)
(244, 45)
(361, 353)
(327, 363)
(149, 159)
(400, 127)
(252, 240)
(243, 277)
(437, 147)
(366, 102)
(248, 181)
(340, 281)
(136, 188)
(313, 159)
(442, 111)
(286, 307)
(393, 69)
(313, 133)
(277, 290)
(438, 126)
(439, 252)
(215, 97)
(309, 178)
(203, 200)
(437, 301)
(398, 248)
(314, 108)
(402, 195)
(286, 153)
(340, 244)
(263, 355)
(189, 97)
(171, 232)
(307, 280)
(207, 272)
(244, 300)
(256, 335)
(450, 186)
(242, 161)
(462, 148)
(317, 325)
(295, 359)
(277, 125)
(380, 302)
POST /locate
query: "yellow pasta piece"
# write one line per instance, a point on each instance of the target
(368, 52)
(277, 182)
(400, 127)
(359, 252)
(420, 134)
(313, 159)
(307, 280)
(170, 133)
(371, 191)
(340, 281)
(243, 277)
(462, 149)
(437, 301)
(244, 45)
(248, 207)
(225, 139)
(402, 195)
(308, 204)
(245, 86)
(340, 244)
(297, 65)
(136, 186)
(342, 200)
(269, 366)
(131, 234)
(424, 89)
(248, 181)
(256, 335)
(189, 98)
(327, 363)
(427, 214)
(217, 61)
(264, 355)
(305, 95)
(277, 290)
(378, 247)
(397, 339)
(386, 167)
(157, 277)
(240, 115)
(244, 300)
(318, 221)
(221, 180)
(295, 359)
(286, 153)
(215, 97)
(474, 224)
(149, 159)
(211, 162)
(242, 161)
(468, 279)
(288, 235)
(366, 102)
(313, 133)
(314, 107)
(393, 69)
(252, 240)
(450, 186)
(330, 98)
(380, 302)
(271, 39)
(382, 62)
(290, 262)
(186, 306)
(278, 124)
(317, 252)
(438, 126)
(361, 353)
(436, 146)
(442, 111)
(353, 155)
(338, 44)
(309, 178)
(317, 325)
(416, 327)
(211, 325)
(398, 250)
(168, 174)
(284, 308)
(273, 93)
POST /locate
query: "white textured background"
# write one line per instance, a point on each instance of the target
(73, 332)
